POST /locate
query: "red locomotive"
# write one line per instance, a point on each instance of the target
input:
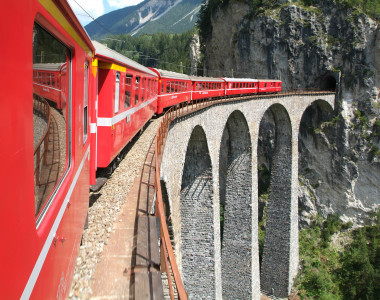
(75, 93)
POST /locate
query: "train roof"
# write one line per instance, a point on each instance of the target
(171, 75)
(106, 52)
(239, 79)
(270, 80)
(48, 66)
(206, 79)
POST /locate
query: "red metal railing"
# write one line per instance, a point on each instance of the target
(180, 110)
(40, 106)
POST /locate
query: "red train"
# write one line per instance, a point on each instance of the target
(77, 106)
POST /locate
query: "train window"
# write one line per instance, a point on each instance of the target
(150, 87)
(128, 90)
(137, 89)
(52, 114)
(168, 87)
(117, 92)
(85, 103)
(143, 89)
(148, 91)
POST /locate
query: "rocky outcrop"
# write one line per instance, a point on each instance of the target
(195, 54)
(327, 46)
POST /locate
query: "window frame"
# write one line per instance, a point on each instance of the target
(45, 25)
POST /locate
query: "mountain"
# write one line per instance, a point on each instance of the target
(150, 16)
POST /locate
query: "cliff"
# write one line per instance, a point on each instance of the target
(325, 46)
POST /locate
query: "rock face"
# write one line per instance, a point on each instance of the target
(327, 46)
(195, 54)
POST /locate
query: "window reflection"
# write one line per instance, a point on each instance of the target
(51, 62)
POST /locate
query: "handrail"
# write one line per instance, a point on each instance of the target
(177, 111)
(41, 106)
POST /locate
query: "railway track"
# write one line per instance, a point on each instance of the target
(104, 209)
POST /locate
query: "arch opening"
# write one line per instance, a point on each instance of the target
(235, 192)
(197, 234)
(275, 263)
(315, 157)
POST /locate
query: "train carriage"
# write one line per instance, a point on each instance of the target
(173, 88)
(269, 86)
(207, 87)
(46, 155)
(127, 99)
(241, 86)
(48, 78)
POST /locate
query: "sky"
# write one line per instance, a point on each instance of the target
(96, 8)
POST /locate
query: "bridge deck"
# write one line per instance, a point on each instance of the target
(129, 268)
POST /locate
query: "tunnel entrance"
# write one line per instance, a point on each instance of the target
(328, 82)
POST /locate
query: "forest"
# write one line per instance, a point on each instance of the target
(160, 50)
(339, 262)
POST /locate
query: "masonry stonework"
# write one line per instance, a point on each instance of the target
(236, 188)
(196, 188)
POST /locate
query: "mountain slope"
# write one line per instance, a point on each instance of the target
(150, 16)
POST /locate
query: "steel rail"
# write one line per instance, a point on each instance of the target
(180, 110)
(41, 106)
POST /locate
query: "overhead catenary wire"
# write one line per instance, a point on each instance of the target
(95, 20)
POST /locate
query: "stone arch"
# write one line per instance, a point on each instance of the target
(235, 190)
(197, 234)
(276, 261)
(314, 149)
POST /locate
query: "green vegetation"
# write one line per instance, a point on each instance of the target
(165, 51)
(327, 272)
(46, 48)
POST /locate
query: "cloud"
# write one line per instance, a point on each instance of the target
(122, 3)
(94, 8)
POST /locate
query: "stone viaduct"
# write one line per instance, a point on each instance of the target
(210, 158)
